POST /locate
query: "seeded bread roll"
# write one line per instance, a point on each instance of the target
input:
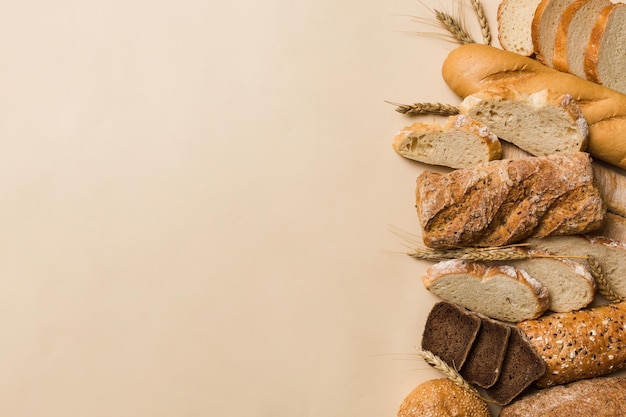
(579, 345)
(473, 67)
(442, 398)
(506, 201)
(461, 143)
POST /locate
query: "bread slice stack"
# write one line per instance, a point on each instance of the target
(586, 38)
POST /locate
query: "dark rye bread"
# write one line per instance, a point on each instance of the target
(503, 202)
(521, 367)
(449, 333)
(485, 359)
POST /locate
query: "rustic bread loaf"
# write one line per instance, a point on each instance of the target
(608, 252)
(514, 19)
(570, 284)
(605, 56)
(442, 398)
(506, 201)
(544, 28)
(473, 67)
(462, 142)
(500, 292)
(449, 333)
(613, 228)
(580, 344)
(542, 123)
(573, 35)
(597, 397)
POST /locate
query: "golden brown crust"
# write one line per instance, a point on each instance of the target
(442, 398)
(559, 60)
(592, 53)
(536, 29)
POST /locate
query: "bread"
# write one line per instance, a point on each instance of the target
(473, 67)
(580, 344)
(605, 56)
(442, 398)
(613, 228)
(597, 397)
(506, 201)
(484, 362)
(609, 253)
(462, 142)
(451, 343)
(573, 33)
(544, 28)
(542, 123)
(500, 292)
(514, 19)
(570, 284)
(521, 367)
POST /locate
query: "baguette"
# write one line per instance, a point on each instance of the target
(473, 67)
(579, 345)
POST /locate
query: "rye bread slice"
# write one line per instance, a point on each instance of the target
(449, 333)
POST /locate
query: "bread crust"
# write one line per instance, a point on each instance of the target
(535, 31)
(473, 67)
(559, 60)
(592, 53)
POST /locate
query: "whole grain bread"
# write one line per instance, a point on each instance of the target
(597, 397)
(460, 143)
(506, 201)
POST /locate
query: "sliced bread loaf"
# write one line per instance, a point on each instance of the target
(605, 56)
(514, 18)
(500, 292)
(542, 123)
(573, 35)
(544, 28)
(462, 142)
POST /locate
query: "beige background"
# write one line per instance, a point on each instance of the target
(197, 209)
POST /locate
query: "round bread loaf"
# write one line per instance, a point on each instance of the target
(442, 398)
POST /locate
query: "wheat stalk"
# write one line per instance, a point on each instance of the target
(604, 287)
(426, 108)
(504, 253)
(452, 374)
(482, 21)
(453, 26)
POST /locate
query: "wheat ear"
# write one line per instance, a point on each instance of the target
(482, 21)
(426, 108)
(452, 374)
(503, 253)
(453, 26)
(603, 285)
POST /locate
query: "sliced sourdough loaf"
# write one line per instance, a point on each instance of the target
(462, 142)
(605, 56)
(570, 284)
(608, 252)
(580, 344)
(449, 333)
(506, 201)
(597, 397)
(542, 123)
(573, 35)
(514, 19)
(544, 28)
(500, 292)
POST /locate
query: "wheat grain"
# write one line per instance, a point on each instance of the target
(504, 253)
(452, 374)
(482, 21)
(426, 108)
(453, 26)
(604, 287)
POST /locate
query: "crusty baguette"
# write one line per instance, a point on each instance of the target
(597, 397)
(473, 67)
(579, 345)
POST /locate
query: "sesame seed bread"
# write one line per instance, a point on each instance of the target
(542, 123)
(501, 292)
(608, 252)
(580, 344)
(544, 28)
(605, 56)
(442, 398)
(462, 142)
(598, 397)
(506, 201)
(573, 35)
(514, 19)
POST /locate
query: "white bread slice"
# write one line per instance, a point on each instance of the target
(461, 143)
(573, 35)
(514, 18)
(544, 27)
(605, 57)
(608, 252)
(543, 123)
(570, 284)
(500, 292)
